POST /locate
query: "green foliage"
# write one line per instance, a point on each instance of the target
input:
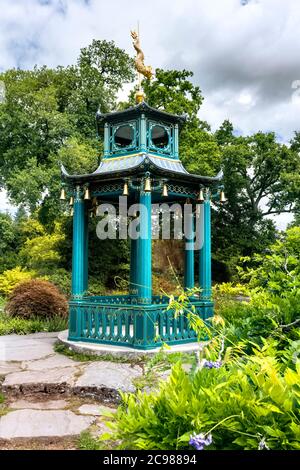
(61, 278)
(42, 252)
(2, 304)
(257, 175)
(9, 242)
(22, 326)
(247, 403)
(273, 290)
(277, 271)
(173, 91)
(87, 442)
(79, 156)
(12, 278)
(262, 316)
(48, 110)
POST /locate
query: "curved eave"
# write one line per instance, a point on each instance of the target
(112, 169)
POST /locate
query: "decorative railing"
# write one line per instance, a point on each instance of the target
(143, 327)
(124, 299)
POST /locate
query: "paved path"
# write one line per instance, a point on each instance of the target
(48, 394)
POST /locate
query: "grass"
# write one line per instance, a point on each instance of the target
(22, 326)
(87, 442)
(3, 408)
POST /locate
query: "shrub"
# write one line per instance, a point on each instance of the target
(251, 402)
(61, 278)
(263, 316)
(11, 278)
(36, 298)
(277, 271)
(23, 326)
(42, 251)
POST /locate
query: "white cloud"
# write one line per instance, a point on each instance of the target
(235, 50)
(245, 57)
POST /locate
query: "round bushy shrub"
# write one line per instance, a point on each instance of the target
(36, 298)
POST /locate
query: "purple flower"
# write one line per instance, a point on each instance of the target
(212, 364)
(263, 445)
(199, 441)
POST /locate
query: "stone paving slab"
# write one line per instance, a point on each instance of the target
(25, 348)
(65, 375)
(109, 375)
(42, 405)
(37, 423)
(8, 367)
(52, 362)
(94, 410)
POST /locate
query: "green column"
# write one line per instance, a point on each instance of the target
(176, 141)
(79, 246)
(79, 262)
(144, 250)
(189, 275)
(106, 140)
(144, 325)
(143, 133)
(205, 250)
(86, 249)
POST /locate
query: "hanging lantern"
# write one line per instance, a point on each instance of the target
(222, 196)
(125, 189)
(87, 195)
(147, 187)
(200, 196)
(71, 203)
(165, 191)
(62, 194)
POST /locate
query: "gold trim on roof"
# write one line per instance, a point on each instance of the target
(140, 153)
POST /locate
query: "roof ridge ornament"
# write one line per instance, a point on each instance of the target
(142, 69)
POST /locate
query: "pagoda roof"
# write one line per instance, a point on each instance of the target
(119, 167)
(131, 113)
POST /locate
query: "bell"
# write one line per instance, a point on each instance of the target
(222, 197)
(87, 195)
(62, 194)
(125, 189)
(165, 191)
(91, 214)
(71, 203)
(72, 212)
(147, 187)
(200, 196)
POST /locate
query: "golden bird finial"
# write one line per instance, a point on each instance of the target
(141, 68)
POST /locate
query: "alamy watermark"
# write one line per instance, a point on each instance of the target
(163, 221)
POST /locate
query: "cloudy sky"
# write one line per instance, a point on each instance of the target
(245, 54)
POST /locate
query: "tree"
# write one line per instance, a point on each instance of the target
(257, 177)
(46, 109)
